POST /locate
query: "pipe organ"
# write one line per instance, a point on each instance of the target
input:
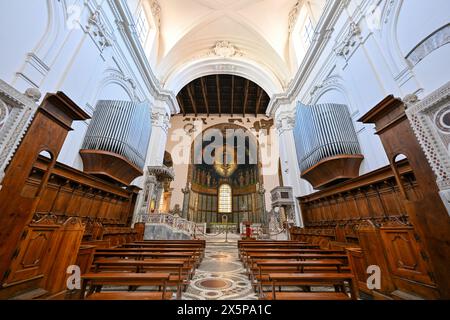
(327, 146)
(117, 139)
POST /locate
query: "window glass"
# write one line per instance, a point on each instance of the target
(142, 25)
(225, 199)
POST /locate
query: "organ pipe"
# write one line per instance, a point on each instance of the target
(323, 131)
(120, 127)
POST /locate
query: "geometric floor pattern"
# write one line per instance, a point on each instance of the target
(221, 275)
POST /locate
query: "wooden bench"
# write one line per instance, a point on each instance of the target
(246, 253)
(198, 251)
(338, 280)
(291, 256)
(147, 254)
(130, 296)
(201, 243)
(305, 296)
(96, 281)
(261, 269)
(181, 272)
(263, 265)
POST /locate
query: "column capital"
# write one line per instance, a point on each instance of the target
(285, 121)
(160, 119)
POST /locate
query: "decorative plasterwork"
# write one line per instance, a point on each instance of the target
(430, 120)
(224, 49)
(99, 32)
(388, 10)
(293, 16)
(285, 121)
(161, 120)
(156, 12)
(318, 89)
(16, 112)
(433, 42)
(346, 47)
(162, 173)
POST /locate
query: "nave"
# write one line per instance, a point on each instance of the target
(316, 131)
(219, 270)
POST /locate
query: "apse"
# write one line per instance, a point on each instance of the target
(226, 190)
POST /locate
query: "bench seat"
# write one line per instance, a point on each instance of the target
(307, 296)
(130, 296)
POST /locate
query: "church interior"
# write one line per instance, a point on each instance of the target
(225, 150)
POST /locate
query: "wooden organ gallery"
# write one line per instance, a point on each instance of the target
(254, 150)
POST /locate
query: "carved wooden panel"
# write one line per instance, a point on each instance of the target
(69, 240)
(404, 254)
(34, 252)
(359, 267)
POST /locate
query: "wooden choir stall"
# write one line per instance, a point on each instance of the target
(53, 216)
(392, 218)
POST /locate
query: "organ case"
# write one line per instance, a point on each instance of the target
(116, 142)
(327, 146)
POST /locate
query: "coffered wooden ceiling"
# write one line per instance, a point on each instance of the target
(223, 95)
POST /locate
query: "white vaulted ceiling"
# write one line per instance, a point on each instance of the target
(253, 33)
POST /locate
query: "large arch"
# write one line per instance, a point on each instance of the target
(211, 66)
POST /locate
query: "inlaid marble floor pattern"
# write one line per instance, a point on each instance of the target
(220, 276)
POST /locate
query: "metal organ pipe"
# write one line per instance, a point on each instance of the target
(120, 127)
(323, 131)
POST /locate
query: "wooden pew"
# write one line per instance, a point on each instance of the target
(294, 256)
(170, 242)
(260, 269)
(180, 270)
(197, 249)
(96, 281)
(192, 256)
(338, 280)
(245, 253)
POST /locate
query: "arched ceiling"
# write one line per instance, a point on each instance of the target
(251, 32)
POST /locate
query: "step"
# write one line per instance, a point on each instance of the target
(31, 295)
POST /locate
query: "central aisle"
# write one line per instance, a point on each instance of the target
(221, 275)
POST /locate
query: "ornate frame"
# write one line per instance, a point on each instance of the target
(17, 114)
(426, 118)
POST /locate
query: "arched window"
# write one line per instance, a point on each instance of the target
(225, 199)
(142, 24)
(308, 31)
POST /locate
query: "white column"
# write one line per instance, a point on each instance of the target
(158, 139)
(285, 122)
(155, 156)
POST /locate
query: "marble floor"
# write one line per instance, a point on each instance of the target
(221, 275)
